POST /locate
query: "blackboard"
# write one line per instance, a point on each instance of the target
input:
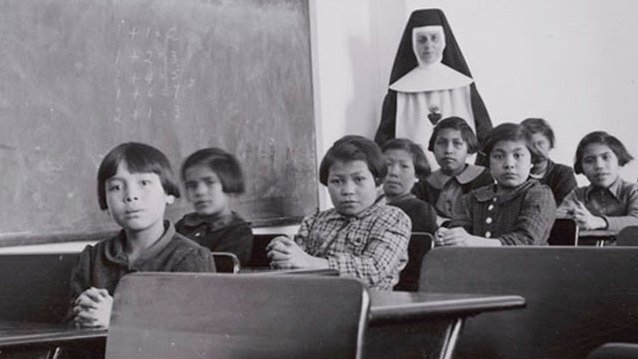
(78, 77)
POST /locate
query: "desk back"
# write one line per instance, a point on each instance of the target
(230, 316)
(564, 233)
(259, 255)
(35, 287)
(577, 298)
(420, 244)
(628, 236)
(226, 262)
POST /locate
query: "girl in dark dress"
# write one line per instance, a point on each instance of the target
(560, 178)
(211, 176)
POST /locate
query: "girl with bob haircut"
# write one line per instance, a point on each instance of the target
(452, 142)
(211, 176)
(354, 148)
(609, 202)
(360, 237)
(558, 177)
(516, 210)
(135, 184)
(408, 165)
(419, 160)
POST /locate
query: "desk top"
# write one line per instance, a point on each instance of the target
(399, 306)
(275, 271)
(385, 306)
(602, 233)
(14, 333)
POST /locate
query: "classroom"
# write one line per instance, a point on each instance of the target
(279, 87)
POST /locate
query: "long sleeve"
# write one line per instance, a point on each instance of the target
(422, 214)
(617, 223)
(618, 211)
(464, 219)
(427, 216)
(562, 183)
(80, 278)
(535, 219)
(196, 260)
(385, 253)
(568, 202)
(81, 273)
(301, 238)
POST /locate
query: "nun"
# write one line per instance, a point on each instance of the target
(430, 80)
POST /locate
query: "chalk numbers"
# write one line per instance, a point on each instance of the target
(149, 73)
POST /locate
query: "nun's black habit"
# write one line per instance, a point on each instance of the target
(406, 72)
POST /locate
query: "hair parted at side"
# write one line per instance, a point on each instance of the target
(459, 124)
(539, 125)
(224, 164)
(138, 158)
(352, 148)
(511, 132)
(603, 138)
(421, 164)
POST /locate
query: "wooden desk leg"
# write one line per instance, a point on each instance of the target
(454, 332)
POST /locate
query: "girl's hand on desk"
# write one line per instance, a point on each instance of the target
(279, 252)
(564, 212)
(93, 308)
(457, 236)
(586, 220)
(279, 245)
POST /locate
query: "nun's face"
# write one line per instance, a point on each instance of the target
(428, 44)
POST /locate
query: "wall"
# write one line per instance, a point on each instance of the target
(351, 63)
(571, 62)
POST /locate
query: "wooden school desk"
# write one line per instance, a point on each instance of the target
(576, 298)
(401, 324)
(415, 324)
(35, 338)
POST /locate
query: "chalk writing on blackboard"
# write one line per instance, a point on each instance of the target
(79, 77)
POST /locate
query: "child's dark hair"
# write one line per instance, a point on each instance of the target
(459, 124)
(139, 158)
(224, 164)
(603, 138)
(511, 132)
(353, 148)
(538, 125)
(421, 165)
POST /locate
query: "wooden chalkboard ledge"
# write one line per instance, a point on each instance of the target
(275, 222)
(26, 239)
